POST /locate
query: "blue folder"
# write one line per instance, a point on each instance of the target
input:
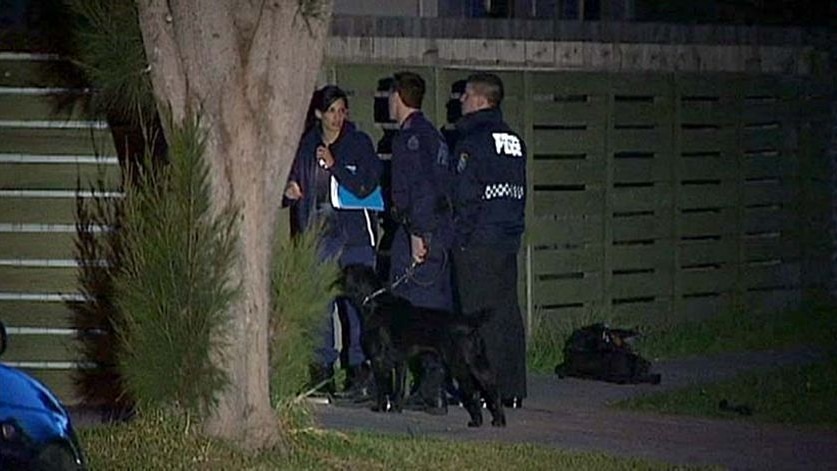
(342, 198)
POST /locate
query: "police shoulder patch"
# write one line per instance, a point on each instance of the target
(463, 162)
(413, 142)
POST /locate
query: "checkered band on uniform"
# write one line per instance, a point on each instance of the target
(503, 190)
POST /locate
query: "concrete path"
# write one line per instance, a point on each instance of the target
(570, 414)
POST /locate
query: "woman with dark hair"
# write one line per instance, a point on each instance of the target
(334, 153)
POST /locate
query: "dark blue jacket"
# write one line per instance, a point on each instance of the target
(421, 190)
(490, 189)
(356, 167)
(422, 179)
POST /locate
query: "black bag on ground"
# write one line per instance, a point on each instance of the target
(601, 353)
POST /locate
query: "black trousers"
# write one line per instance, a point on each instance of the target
(486, 279)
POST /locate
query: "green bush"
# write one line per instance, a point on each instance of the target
(174, 289)
(106, 44)
(95, 243)
(303, 288)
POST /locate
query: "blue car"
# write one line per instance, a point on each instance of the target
(35, 429)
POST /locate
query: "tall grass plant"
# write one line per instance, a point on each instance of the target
(303, 288)
(174, 288)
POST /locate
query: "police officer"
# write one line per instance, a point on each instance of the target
(421, 191)
(489, 201)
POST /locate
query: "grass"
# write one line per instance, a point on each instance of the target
(161, 442)
(545, 348)
(799, 395)
(812, 325)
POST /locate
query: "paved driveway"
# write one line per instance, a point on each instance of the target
(569, 414)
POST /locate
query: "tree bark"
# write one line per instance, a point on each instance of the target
(248, 67)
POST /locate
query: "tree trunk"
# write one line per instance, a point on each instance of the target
(248, 68)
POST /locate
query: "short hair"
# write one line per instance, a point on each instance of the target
(488, 85)
(410, 87)
(326, 96)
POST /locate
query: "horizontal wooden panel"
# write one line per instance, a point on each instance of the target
(568, 202)
(364, 79)
(56, 141)
(768, 219)
(45, 347)
(642, 84)
(40, 107)
(709, 279)
(721, 85)
(783, 164)
(718, 194)
(640, 198)
(58, 176)
(55, 245)
(721, 113)
(567, 261)
(36, 314)
(29, 73)
(571, 83)
(635, 170)
(757, 110)
(768, 138)
(38, 280)
(560, 231)
(784, 247)
(703, 252)
(60, 382)
(658, 255)
(556, 172)
(657, 112)
(768, 192)
(642, 227)
(708, 167)
(573, 139)
(771, 275)
(638, 285)
(38, 210)
(593, 110)
(705, 140)
(657, 139)
(715, 222)
(568, 290)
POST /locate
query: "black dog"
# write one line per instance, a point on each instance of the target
(395, 330)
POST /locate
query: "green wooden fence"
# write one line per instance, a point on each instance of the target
(652, 197)
(658, 196)
(43, 154)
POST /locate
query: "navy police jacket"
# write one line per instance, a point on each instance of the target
(357, 167)
(490, 189)
(422, 180)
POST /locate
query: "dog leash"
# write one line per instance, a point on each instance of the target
(409, 274)
(401, 279)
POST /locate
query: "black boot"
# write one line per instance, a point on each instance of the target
(321, 379)
(429, 395)
(359, 385)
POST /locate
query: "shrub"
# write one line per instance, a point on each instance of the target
(174, 289)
